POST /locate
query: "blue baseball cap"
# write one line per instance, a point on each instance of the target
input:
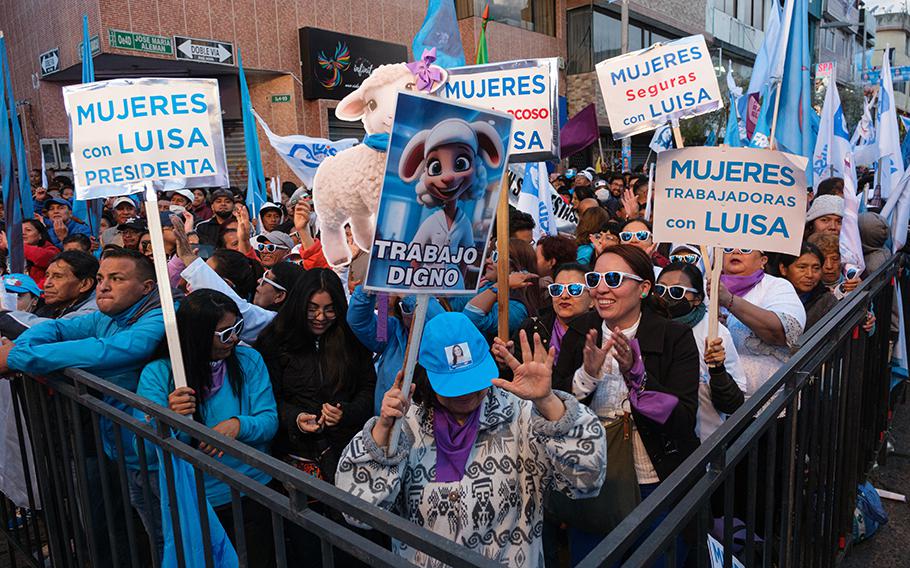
(569, 173)
(456, 356)
(58, 201)
(21, 283)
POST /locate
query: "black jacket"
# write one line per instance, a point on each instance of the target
(300, 385)
(671, 365)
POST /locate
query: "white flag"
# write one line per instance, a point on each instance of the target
(851, 245)
(535, 199)
(303, 154)
(833, 142)
(662, 139)
(888, 136)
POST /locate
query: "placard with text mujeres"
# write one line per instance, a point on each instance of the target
(526, 89)
(730, 197)
(663, 83)
(127, 131)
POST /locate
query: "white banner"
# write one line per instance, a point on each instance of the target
(126, 131)
(525, 89)
(731, 197)
(645, 89)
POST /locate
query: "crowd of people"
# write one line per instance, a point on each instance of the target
(608, 382)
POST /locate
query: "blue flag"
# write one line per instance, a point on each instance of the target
(731, 135)
(711, 138)
(256, 191)
(223, 553)
(440, 30)
(535, 199)
(12, 184)
(793, 119)
(88, 211)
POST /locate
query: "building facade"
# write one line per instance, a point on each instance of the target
(281, 43)
(893, 32)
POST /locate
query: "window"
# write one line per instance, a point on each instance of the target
(907, 46)
(578, 39)
(829, 40)
(535, 15)
(750, 12)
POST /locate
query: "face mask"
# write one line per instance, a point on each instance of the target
(678, 308)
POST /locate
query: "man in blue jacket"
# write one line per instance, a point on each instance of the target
(60, 222)
(114, 343)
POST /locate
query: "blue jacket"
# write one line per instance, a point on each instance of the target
(113, 348)
(488, 323)
(389, 354)
(255, 410)
(72, 226)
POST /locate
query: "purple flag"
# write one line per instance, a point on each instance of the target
(579, 132)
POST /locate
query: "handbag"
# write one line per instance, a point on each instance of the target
(618, 495)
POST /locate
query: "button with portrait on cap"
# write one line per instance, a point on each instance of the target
(454, 495)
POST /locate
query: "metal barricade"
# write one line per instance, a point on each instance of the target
(780, 474)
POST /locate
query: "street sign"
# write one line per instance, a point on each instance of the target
(204, 50)
(49, 62)
(95, 42)
(897, 74)
(146, 43)
(281, 98)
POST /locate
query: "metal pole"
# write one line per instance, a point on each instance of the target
(624, 47)
(863, 58)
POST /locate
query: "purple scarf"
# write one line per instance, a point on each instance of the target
(740, 285)
(454, 442)
(559, 331)
(219, 370)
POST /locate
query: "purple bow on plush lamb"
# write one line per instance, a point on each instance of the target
(427, 74)
(653, 404)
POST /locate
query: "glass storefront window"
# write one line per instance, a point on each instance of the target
(534, 15)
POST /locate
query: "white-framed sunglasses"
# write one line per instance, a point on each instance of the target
(225, 335)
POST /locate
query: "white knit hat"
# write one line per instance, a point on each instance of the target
(825, 205)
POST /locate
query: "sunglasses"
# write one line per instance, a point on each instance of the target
(225, 335)
(269, 247)
(274, 284)
(690, 258)
(613, 279)
(494, 256)
(675, 292)
(640, 236)
(575, 289)
(737, 250)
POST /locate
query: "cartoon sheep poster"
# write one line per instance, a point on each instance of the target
(438, 203)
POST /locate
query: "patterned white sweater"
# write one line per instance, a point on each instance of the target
(497, 507)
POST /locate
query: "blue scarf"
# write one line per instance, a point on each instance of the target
(378, 142)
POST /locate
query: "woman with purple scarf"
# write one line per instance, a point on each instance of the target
(476, 453)
(764, 314)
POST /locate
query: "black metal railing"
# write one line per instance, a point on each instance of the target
(776, 483)
(780, 474)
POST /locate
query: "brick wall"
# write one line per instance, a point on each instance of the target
(265, 31)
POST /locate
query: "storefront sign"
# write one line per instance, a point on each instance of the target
(335, 64)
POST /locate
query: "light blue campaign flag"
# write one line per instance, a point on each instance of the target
(256, 192)
(662, 138)
(89, 210)
(766, 54)
(794, 133)
(12, 184)
(303, 154)
(440, 30)
(535, 199)
(733, 134)
(711, 138)
(223, 553)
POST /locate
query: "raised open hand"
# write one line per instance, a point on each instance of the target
(533, 377)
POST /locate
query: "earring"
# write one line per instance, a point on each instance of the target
(643, 296)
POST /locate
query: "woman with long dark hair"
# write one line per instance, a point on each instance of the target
(524, 296)
(228, 390)
(323, 377)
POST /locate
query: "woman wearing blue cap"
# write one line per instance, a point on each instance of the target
(476, 453)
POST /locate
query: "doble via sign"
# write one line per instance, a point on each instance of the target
(730, 197)
(665, 82)
(126, 131)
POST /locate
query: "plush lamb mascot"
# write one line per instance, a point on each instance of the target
(347, 185)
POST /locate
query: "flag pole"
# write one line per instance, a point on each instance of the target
(164, 286)
(410, 362)
(771, 142)
(502, 265)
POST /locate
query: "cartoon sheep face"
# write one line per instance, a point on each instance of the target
(451, 161)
